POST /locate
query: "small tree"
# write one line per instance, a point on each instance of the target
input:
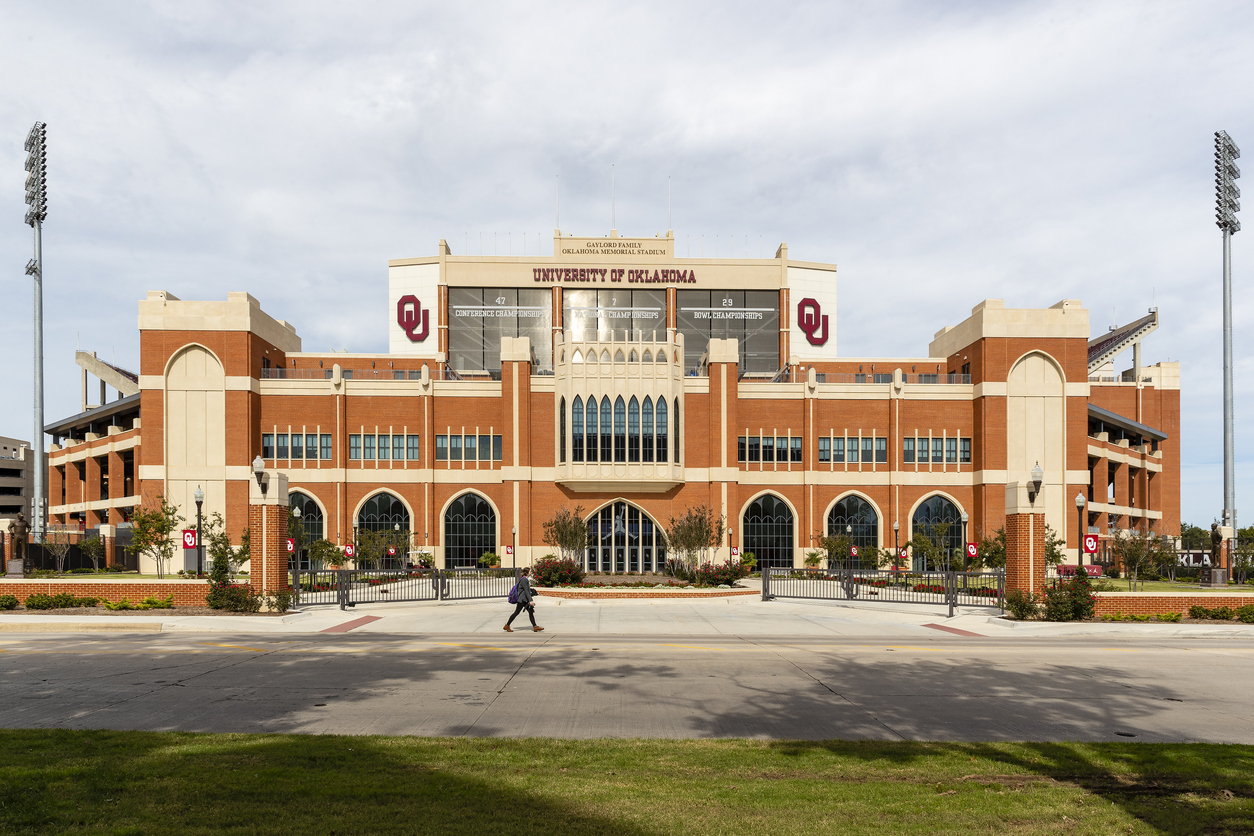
(57, 542)
(567, 531)
(691, 538)
(323, 553)
(991, 551)
(1136, 551)
(837, 548)
(243, 553)
(1055, 547)
(929, 542)
(93, 549)
(223, 595)
(153, 533)
(1243, 560)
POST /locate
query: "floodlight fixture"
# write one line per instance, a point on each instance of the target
(37, 200)
(1227, 205)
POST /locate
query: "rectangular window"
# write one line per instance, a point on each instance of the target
(385, 447)
(398, 375)
(311, 446)
(755, 449)
(471, 452)
(267, 446)
(485, 452)
(881, 450)
(825, 449)
(838, 449)
(281, 446)
(496, 448)
(455, 448)
(937, 454)
(852, 447)
(768, 449)
(354, 447)
(367, 450)
(740, 449)
(415, 374)
(883, 378)
(796, 449)
(441, 448)
(867, 455)
(907, 450)
(951, 450)
(413, 447)
(965, 457)
(298, 446)
(398, 447)
(966, 368)
(326, 447)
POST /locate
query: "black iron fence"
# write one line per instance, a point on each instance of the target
(350, 587)
(986, 589)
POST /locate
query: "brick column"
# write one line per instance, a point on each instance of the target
(267, 525)
(1225, 556)
(108, 538)
(1025, 540)
(117, 486)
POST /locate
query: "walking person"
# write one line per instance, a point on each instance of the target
(522, 599)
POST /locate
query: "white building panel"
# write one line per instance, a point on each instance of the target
(413, 309)
(812, 313)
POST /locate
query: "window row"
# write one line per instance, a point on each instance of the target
(866, 449)
(626, 431)
(468, 448)
(301, 446)
(768, 449)
(942, 451)
(383, 447)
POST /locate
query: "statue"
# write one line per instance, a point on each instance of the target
(18, 530)
(1216, 544)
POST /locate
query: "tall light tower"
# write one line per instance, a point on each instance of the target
(37, 199)
(1226, 207)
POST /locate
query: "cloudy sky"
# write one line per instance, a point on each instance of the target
(940, 153)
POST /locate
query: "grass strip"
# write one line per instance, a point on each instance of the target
(106, 782)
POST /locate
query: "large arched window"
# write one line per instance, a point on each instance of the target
(592, 429)
(767, 532)
(308, 516)
(939, 521)
(633, 430)
(607, 444)
(576, 430)
(647, 449)
(620, 430)
(469, 531)
(854, 512)
(662, 425)
(678, 438)
(623, 538)
(383, 512)
(561, 435)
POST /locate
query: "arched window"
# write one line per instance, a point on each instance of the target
(939, 521)
(767, 532)
(854, 512)
(648, 356)
(576, 427)
(307, 516)
(620, 430)
(561, 436)
(623, 538)
(647, 449)
(605, 356)
(383, 512)
(592, 429)
(469, 531)
(678, 437)
(633, 430)
(618, 356)
(633, 357)
(661, 357)
(607, 444)
(577, 357)
(662, 425)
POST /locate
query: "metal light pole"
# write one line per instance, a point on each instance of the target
(513, 556)
(199, 496)
(1079, 512)
(37, 199)
(1226, 207)
(896, 548)
(965, 556)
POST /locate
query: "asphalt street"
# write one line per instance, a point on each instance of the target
(934, 687)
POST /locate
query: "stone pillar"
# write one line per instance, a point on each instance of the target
(1025, 540)
(108, 539)
(267, 526)
(1225, 548)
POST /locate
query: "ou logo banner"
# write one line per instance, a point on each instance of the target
(853, 551)
(349, 550)
(1090, 544)
(812, 321)
(972, 550)
(412, 318)
(189, 538)
(291, 545)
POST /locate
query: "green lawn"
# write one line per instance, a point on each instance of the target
(1121, 585)
(132, 783)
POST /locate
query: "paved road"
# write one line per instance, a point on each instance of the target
(936, 687)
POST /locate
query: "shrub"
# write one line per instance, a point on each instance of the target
(1022, 605)
(154, 603)
(8, 602)
(1058, 604)
(1223, 613)
(1169, 617)
(232, 597)
(1071, 599)
(1199, 612)
(489, 559)
(1246, 614)
(552, 571)
(82, 571)
(1113, 574)
(750, 561)
(1133, 617)
(60, 601)
(280, 601)
(124, 604)
(710, 574)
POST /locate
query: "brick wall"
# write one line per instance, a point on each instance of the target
(1152, 603)
(1024, 532)
(186, 593)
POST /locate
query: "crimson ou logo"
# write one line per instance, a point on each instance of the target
(811, 321)
(412, 318)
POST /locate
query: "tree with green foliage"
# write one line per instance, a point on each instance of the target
(1055, 547)
(837, 547)
(929, 543)
(93, 549)
(991, 551)
(323, 553)
(152, 533)
(57, 541)
(691, 538)
(567, 531)
(1243, 560)
(372, 546)
(1137, 551)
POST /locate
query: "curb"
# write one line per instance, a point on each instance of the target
(80, 627)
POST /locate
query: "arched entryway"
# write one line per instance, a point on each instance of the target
(767, 532)
(938, 519)
(307, 516)
(623, 538)
(469, 531)
(855, 518)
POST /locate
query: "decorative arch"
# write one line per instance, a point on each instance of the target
(648, 356)
(768, 528)
(470, 529)
(623, 537)
(856, 511)
(312, 521)
(1036, 431)
(929, 513)
(194, 425)
(382, 511)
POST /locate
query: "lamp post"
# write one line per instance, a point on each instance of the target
(966, 558)
(896, 548)
(1079, 513)
(37, 199)
(1038, 476)
(199, 496)
(1226, 208)
(297, 517)
(849, 537)
(513, 553)
(259, 470)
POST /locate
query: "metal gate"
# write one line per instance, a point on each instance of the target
(980, 589)
(350, 587)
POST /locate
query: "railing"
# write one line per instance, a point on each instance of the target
(952, 588)
(350, 587)
(857, 378)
